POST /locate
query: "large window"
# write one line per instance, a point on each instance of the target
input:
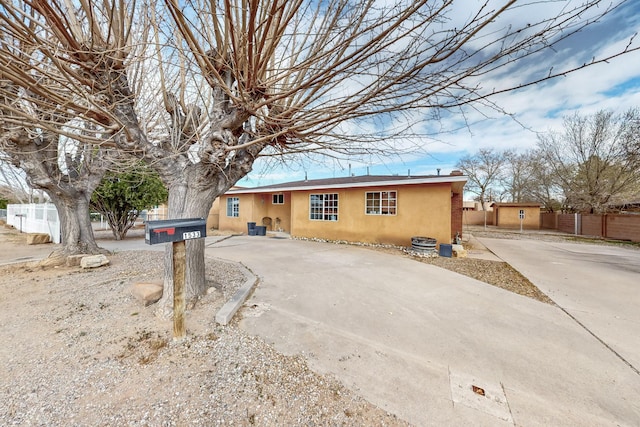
(233, 206)
(381, 203)
(323, 207)
(278, 199)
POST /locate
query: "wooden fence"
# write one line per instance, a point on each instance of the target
(610, 226)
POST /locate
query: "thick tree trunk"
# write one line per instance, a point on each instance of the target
(186, 202)
(75, 227)
(69, 188)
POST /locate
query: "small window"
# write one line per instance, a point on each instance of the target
(323, 207)
(381, 202)
(278, 199)
(233, 206)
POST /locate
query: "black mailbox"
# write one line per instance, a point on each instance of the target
(174, 230)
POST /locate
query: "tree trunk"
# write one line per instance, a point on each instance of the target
(75, 226)
(121, 223)
(186, 202)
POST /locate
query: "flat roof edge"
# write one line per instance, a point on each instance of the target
(408, 181)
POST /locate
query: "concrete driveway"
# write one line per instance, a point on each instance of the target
(597, 285)
(432, 346)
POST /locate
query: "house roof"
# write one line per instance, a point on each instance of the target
(352, 182)
(517, 205)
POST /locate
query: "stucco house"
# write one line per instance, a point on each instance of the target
(510, 215)
(372, 209)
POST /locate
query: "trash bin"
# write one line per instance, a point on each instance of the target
(261, 230)
(251, 226)
(445, 250)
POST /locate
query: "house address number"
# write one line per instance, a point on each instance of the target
(191, 235)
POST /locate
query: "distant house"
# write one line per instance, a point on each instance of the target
(511, 215)
(372, 209)
(469, 205)
(474, 206)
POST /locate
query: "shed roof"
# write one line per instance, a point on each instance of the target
(516, 205)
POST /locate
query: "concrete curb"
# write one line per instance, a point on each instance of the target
(226, 313)
(26, 260)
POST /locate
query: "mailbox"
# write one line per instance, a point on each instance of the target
(174, 230)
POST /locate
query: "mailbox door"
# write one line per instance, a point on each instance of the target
(174, 230)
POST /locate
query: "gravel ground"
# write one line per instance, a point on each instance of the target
(496, 273)
(78, 350)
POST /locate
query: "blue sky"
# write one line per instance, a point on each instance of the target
(613, 86)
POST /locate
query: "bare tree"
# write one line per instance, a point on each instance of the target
(13, 185)
(67, 170)
(591, 159)
(485, 171)
(543, 187)
(282, 76)
(517, 176)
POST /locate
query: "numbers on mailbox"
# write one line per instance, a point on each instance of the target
(191, 235)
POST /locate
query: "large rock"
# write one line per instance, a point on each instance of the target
(93, 261)
(74, 260)
(147, 292)
(38, 238)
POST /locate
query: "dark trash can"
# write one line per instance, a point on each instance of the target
(261, 230)
(252, 231)
(251, 226)
(446, 250)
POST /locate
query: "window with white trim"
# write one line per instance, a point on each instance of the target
(278, 199)
(233, 206)
(381, 202)
(323, 207)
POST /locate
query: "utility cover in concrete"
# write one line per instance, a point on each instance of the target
(479, 394)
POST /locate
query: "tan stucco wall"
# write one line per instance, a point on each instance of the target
(253, 208)
(213, 219)
(246, 213)
(283, 212)
(423, 210)
(508, 217)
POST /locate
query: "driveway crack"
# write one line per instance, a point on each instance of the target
(626, 362)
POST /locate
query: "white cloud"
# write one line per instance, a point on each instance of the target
(614, 86)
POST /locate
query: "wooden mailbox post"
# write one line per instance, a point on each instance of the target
(176, 231)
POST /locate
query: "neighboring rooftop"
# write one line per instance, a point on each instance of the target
(517, 205)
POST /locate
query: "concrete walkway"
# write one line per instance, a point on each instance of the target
(417, 340)
(597, 285)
